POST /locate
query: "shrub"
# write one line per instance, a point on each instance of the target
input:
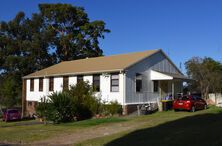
(77, 103)
(86, 104)
(58, 108)
(113, 108)
(41, 108)
(62, 106)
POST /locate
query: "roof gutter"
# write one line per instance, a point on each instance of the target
(73, 74)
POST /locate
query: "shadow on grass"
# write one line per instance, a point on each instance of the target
(205, 129)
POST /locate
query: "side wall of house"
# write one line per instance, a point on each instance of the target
(105, 93)
(156, 62)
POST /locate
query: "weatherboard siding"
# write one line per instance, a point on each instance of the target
(72, 80)
(58, 84)
(35, 95)
(105, 93)
(156, 62)
(88, 79)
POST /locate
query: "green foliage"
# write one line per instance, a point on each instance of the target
(207, 74)
(77, 103)
(59, 107)
(9, 90)
(87, 105)
(41, 108)
(58, 32)
(112, 108)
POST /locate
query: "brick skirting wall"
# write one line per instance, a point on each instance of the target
(128, 109)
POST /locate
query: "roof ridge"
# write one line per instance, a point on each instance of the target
(156, 50)
(102, 63)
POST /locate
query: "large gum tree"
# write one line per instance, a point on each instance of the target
(58, 32)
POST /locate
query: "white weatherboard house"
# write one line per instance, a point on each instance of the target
(131, 79)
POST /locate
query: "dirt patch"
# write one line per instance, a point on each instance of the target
(86, 134)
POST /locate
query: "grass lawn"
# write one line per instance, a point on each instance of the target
(169, 129)
(161, 128)
(11, 133)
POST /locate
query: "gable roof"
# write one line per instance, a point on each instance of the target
(111, 63)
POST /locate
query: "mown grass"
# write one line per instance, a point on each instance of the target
(95, 122)
(161, 128)
(169, 129)
(11, 132)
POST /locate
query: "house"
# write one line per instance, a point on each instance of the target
(131, 79)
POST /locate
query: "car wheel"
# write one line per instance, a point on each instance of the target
(193, 109)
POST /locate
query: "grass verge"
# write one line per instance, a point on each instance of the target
(12, 133)
(169, 128)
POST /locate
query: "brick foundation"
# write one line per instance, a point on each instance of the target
(128, 109)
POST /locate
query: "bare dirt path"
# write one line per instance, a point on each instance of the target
(88, 133)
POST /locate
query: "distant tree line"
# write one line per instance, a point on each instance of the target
(207, 75)
(58, 32)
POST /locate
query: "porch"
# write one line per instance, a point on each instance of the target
(168, 83)
(163, 84)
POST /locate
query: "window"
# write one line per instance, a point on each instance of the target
(31, 84)
(115, 83)
(138, 82)
(96, 83)
(155, 86)
(51, 84)
(65, 82)
(79, 78)
(40, 84)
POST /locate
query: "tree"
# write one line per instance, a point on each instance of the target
(10, 92)
(58, 32)
(207, 74)
(75, 36)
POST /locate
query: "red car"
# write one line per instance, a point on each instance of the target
(11, 114)
(190, 103)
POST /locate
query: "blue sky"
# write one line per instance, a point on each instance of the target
(182, 28)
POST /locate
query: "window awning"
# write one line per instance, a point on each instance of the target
(157, 75)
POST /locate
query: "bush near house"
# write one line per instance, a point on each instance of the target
(112, 108)
(58, 108)
(77, 103)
